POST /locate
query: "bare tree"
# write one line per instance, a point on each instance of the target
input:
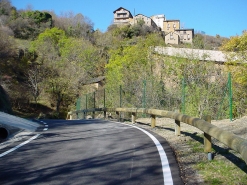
(33, 81)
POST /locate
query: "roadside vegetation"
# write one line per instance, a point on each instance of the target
(46, 59)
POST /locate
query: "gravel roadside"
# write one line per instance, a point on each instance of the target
(183, 152)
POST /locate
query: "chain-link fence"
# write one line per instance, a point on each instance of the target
(197, 97)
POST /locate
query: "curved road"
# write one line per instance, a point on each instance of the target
(89, 152)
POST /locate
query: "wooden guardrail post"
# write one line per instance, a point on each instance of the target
(177, 126)
(133, 117)
(207, 140)
(118, 116)
(153, 121)
(104, 114)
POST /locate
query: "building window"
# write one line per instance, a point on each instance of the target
(188, 36)
(171, 36)
(174, 25)
(185, 32)
(168, 26)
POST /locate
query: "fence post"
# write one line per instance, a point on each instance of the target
(94, 104)
(230, 95)
(144, 94)
(104, 106)
(153, 121)
(183, 95)
(78, 107)
(133, 117)
(104, 98)
(85, 113)
(120, 96)
(177, 126)
(207, 140)
(104, 114)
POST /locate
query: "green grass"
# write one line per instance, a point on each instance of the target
(195, 146)
(218, 172)
(221, 170)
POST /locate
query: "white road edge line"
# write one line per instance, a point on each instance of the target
(164, 161)
(20, 145)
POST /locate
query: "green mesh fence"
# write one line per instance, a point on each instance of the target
(192, 96)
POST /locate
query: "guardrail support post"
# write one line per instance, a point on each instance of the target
(153, 121)
(177, 126)
(207, 140)
(133, 117)
(118, 116)
(104, 114)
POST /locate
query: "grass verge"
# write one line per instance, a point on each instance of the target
(225, 168)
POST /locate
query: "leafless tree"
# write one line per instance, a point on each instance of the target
(34, 80)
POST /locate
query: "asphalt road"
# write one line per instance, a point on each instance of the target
(89, 152)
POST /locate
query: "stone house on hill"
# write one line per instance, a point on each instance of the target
(186, 35)
(94, 84)
(173, 33)
(159, 20)
(172, 38)
(171, 25)
(122, 16)
(147, 21)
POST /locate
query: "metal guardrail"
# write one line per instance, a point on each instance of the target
(229, 139)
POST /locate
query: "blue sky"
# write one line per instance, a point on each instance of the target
(224, 17)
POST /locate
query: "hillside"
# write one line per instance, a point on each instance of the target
(47, 59)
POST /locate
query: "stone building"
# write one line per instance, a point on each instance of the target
(122, 16)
